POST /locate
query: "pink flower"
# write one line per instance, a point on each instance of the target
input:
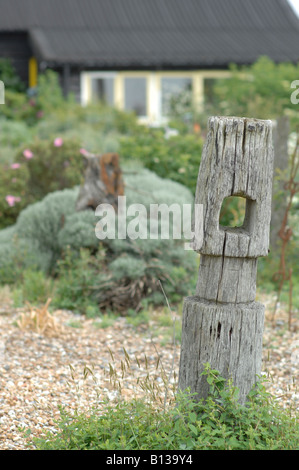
(15, 166)
(28, 154)
(84, 152)
(58, 142)
(11, 200)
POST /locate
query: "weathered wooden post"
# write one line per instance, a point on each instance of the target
(223, 324)
(103, 181)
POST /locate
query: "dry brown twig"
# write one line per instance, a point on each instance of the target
(286, 232)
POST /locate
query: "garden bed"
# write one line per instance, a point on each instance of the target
(83, 361)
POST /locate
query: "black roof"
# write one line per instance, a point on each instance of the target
(155, 33)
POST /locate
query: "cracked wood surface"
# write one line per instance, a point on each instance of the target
(231, 341)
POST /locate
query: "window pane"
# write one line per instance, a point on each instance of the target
(209, 85)
(175, 91)
(102, 89)
(135, 95)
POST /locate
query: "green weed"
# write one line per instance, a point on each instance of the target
(219, 423)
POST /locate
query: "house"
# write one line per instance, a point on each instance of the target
(138, 54)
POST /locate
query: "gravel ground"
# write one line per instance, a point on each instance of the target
(71, 363)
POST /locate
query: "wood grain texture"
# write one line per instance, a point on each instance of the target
(227, 280)
(237, 160)
(229, 340)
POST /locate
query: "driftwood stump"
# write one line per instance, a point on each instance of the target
(103, 181)
(223, 324)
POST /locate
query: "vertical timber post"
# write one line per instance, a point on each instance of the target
(223, 324)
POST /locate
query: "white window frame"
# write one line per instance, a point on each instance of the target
(193, 75)
(85, 84)
(153, 88)
(136, 74)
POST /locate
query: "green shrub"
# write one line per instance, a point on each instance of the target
(136, 266)
(19, 107)
(13, 134)
(33, 240)
(13, 192)
(78, 231)
(35, 287)
(49, 93)
(98, 125)
(131, 269)
(261, 90)
(219, 423)
(52, 160)
(30, 107)
(176, 158)
(126, 266)
(19, 254)
(77, 279)
(69, 115)
(52, 165)
(36, 171)
(43, 220)
(10, 77)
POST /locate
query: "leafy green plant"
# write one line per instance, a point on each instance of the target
(132, 268)
(176, 158)
(142, 318)
(52, 165)
(13, 134)
(261, 90)
(77, 281)
(45, 167)
(10, 77)
(218, 423)
(35, 287)
(32, 241)
(104, 321)
(18, 254)
(30, 107)
(18, 105)
(98, 125)
(42, 221)
(13, 192)
(49, 93)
